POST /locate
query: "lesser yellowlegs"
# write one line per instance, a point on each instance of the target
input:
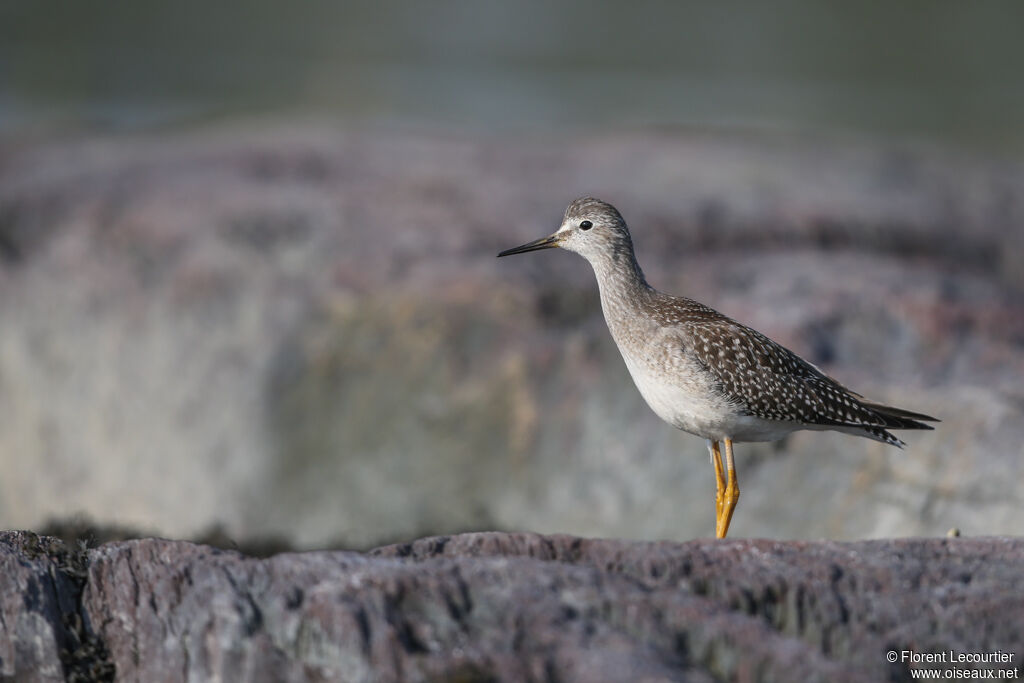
(703, 372)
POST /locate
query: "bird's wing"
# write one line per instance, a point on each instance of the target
(767, 380)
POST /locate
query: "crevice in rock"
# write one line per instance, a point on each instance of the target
(84, 656)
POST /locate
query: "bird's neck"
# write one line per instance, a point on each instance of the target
(622, 284)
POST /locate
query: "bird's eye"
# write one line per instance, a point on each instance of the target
(586, 225)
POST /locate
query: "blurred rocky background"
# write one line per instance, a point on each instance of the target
(247, 273)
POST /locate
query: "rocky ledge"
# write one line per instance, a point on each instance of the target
(507, 607)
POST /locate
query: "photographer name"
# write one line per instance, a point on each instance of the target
(953, 657)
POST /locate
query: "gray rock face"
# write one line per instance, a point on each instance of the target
(514, 607)
(307, 331)
(43, 636)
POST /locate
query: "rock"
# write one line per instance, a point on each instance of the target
(514, 607)
(43, 636)
(307, 331)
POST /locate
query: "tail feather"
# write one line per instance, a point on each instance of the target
(898, 418)
(889, 417)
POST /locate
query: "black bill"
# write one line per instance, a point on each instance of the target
(542, 243)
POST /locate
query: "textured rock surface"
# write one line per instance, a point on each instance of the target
(514, 607)
(43, 636)
(308, 332)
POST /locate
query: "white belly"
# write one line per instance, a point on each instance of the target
(687, 400)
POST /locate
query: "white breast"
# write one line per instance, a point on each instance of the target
(680, 403)
(681, 393)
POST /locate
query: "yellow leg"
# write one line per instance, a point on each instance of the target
(716, 461)
(730, 496)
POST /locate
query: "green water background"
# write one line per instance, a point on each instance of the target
(937, 71)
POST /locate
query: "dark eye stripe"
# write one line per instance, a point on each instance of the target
(586, 225)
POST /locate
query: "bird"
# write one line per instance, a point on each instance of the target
(703, 372)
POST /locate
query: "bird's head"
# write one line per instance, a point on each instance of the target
(592, 228)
